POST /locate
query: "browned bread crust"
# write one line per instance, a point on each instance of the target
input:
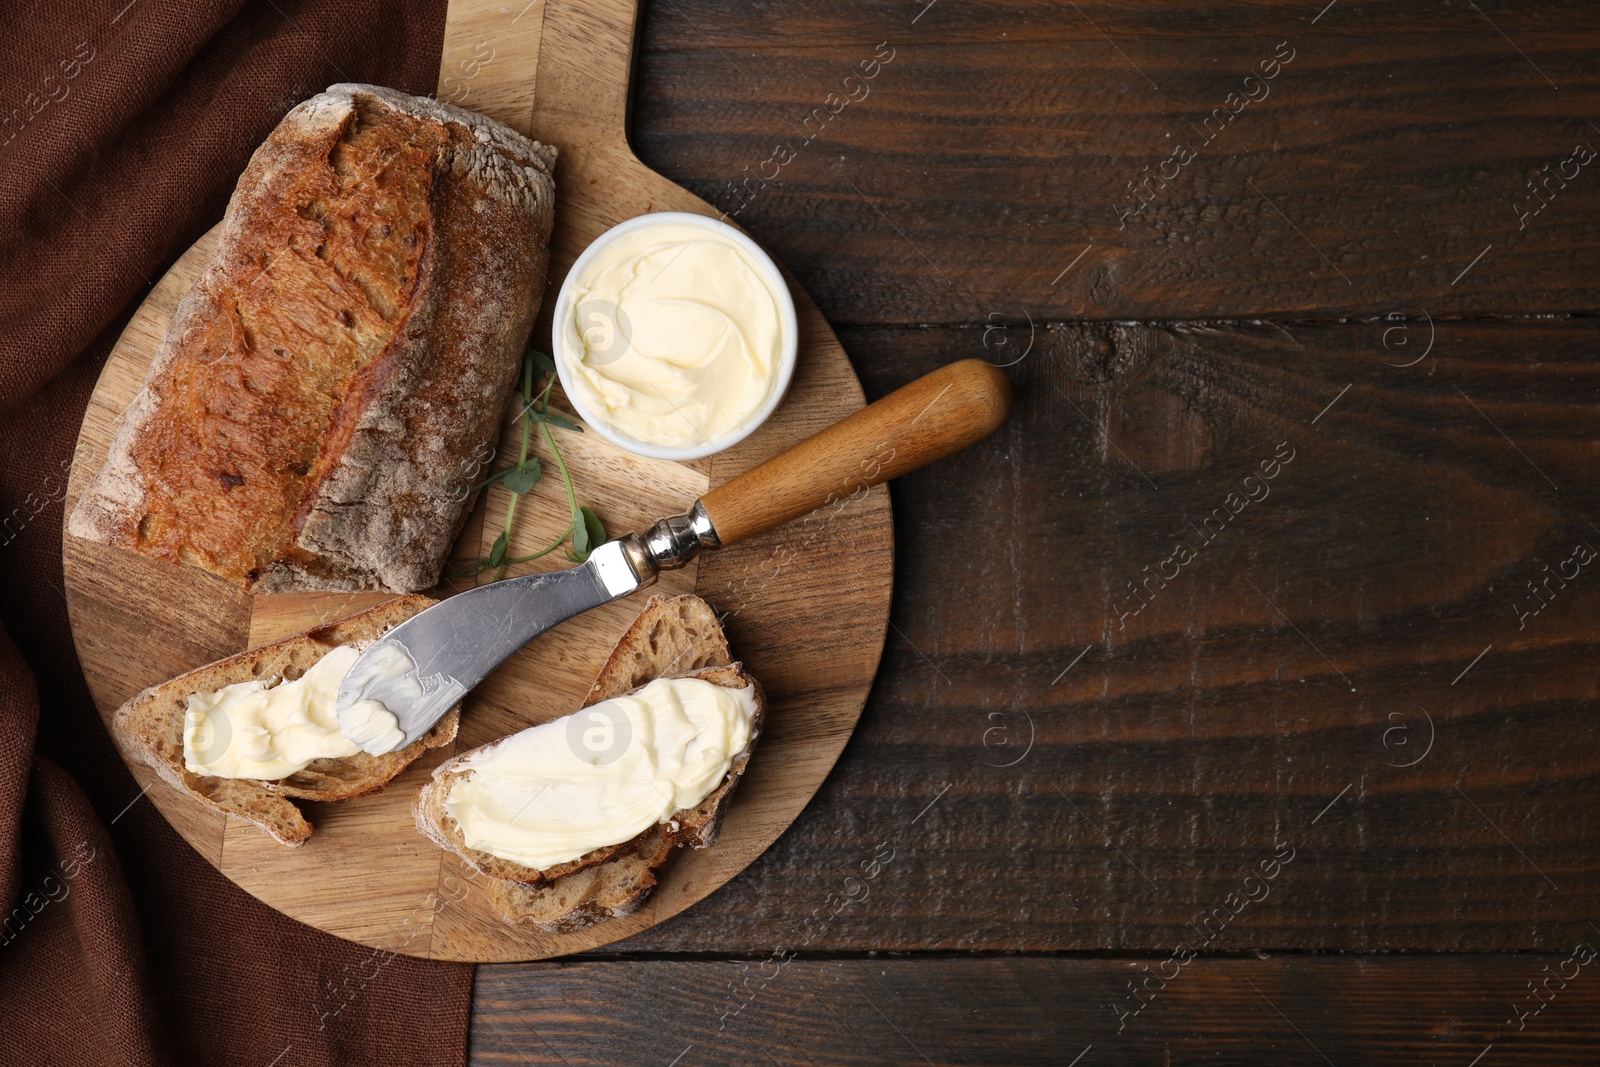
(340, 370)
(674, 637)
(607, 890)
(149, 727)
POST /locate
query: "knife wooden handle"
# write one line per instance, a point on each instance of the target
(940, 413)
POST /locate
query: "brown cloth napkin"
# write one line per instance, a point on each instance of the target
(123, 127)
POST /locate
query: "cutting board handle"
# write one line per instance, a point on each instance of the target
(934, 416)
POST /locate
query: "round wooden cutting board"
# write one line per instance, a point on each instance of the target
(807, 605)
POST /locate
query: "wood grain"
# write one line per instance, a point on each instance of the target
(968, 173)
(987, 157)
(1015, 1011)
(366, 874)
(489, 59)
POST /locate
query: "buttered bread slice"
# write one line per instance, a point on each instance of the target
(585, 809)
(247, 734)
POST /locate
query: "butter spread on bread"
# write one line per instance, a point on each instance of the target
(150, 727)
(603, 775)
(673, 637)
(339, 372)
(274, 727)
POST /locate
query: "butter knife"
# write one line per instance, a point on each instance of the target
(423, 667)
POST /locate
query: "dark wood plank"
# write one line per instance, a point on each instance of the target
(1342, 724)
(1015, 1011)
(971, 170)
(1267, 700)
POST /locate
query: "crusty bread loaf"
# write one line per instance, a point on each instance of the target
(340, 371)
(149, 727)
(674, 637)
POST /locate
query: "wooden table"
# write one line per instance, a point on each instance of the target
(1239, 700)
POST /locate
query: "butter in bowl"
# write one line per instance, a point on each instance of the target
(674, 335)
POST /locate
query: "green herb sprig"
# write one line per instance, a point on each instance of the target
(586, 530)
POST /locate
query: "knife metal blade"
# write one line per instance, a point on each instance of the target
(423, 667)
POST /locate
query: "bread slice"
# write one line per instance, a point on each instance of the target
(149, 727)
(676, 637)
(668, 637)
(340, 371)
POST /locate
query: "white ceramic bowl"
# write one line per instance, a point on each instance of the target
(562, 341)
